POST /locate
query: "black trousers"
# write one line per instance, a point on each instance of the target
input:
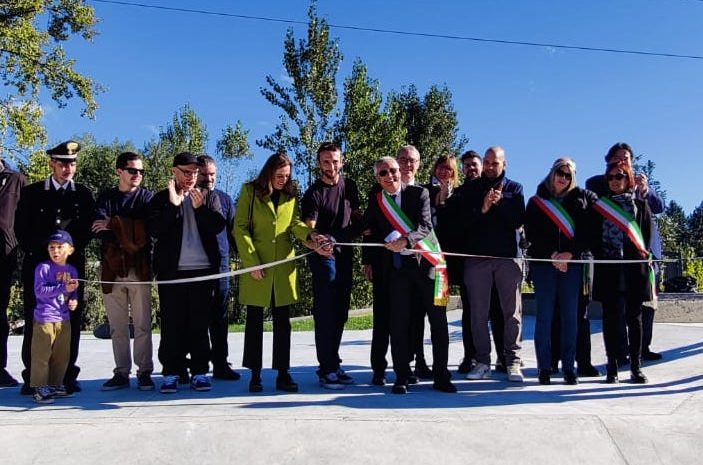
(410, 286)
(8, 264)
(185, 316)
(219, 323)
(647, 326)
(617, 310)
(28, 266)
(497, 324)
(381, 332)
(254, 337)
(583, 335)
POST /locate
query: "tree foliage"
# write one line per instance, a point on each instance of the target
(32, 58)
(308, 102)
(695, 230)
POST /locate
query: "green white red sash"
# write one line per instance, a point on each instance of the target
(625, 222)
(429, 246)
(556, 212)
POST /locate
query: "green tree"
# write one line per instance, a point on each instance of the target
(431, 123)
(673, 228)
(695, 230)
(232, 147)
(185, 132)
(308, 103)
(643, 165)
(32, 58)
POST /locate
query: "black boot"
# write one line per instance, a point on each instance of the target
(612, 371)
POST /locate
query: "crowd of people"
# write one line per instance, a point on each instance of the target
(187, 232)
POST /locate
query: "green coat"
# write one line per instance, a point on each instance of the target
(270, 239)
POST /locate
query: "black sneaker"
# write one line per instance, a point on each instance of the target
(118, 381)
(144, 382)
(6, 380)
(200, 383)
(331, 381)
(343, 377)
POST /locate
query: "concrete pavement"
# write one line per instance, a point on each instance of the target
(487, 422)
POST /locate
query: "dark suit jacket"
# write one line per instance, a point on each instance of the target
(415, 203)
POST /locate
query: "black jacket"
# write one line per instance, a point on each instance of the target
(545, 237)
(165, 225)
(11, 183)
(632, 279)
(492, 233)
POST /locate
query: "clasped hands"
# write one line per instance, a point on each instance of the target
(562, 258)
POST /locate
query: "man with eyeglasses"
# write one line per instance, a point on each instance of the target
(184, 221)
(398, 215)
(45, 206)
(120, 217)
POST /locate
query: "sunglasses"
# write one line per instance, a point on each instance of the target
(563, 174)
(134, 171)
(616, 177)
(384, 173)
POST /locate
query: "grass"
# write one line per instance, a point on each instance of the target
(307, 324)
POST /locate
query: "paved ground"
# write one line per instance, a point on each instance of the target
(487, 422)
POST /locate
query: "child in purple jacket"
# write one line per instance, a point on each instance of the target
(55, 287)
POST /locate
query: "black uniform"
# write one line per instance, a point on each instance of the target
(41, 210)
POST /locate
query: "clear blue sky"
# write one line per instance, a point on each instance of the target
(537, 102)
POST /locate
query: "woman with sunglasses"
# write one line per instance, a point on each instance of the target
(622, 231)
(265, 222)
(556, 227)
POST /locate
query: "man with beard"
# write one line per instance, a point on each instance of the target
(331, 206)
(493, 211)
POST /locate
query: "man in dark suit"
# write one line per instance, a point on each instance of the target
(55, 203)
(399, 216)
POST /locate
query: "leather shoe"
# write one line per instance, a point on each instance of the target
(255, 385)
(570, 378)
(544, 377)
(378, 380)
(72, 386)
(465, 366)
(651, 356)
(637, 377)
(611, 379)
(588, 371)
(412, 379)
(27, 390)
(224, 372)
(444, 386)
(399, 388)
(285, 383)
(6, 379)
(422, 371)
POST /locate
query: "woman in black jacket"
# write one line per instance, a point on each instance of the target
(555, 227)
(622, 232)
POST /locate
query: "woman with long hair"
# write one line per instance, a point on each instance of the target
(266, 220)
(556, 226)
(622, 232)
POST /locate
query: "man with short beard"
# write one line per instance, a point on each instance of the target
(331, 206)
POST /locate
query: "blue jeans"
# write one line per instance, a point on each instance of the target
(556, 290)
(331, 287)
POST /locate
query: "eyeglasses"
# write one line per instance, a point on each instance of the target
(616, 177)
(187, 174)
(384, 173)
(134, 171)
(563, 174)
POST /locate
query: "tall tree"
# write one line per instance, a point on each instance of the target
(32, 58)
(695, 230)
(431, 123)
(232, 147)
(646, 166)
(309, 101)
(673, 228)
(366, 129)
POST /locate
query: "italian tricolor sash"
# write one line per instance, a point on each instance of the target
(628, 225)
(556, 212)
(429, 246)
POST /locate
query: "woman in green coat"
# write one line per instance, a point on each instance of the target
(266, 220)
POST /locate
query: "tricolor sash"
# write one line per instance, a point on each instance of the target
(429, 246)
(558, 214)
(625, 222)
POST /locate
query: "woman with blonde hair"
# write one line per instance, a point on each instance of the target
(556, 226)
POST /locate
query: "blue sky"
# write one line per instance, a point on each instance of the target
(538, 102)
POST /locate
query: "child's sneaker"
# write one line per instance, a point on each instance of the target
(60, 391)
(43, 395)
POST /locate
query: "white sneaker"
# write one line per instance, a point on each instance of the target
(515, 374)
(480, 371)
